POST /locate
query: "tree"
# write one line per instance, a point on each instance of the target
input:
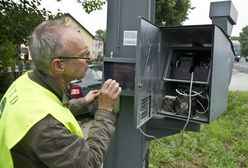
(19, 18)
(101, 34)
(244, 41)
(172, 12)
(234, 38)
(17, 21)
(91, 5)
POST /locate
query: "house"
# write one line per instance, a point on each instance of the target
(95, 45)
(98, 48)
(24, 53)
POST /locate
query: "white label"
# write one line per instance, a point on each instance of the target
(130, 38)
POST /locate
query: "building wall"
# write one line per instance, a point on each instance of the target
(98, 47)
(87, 36)
(95, 46)
(24, 50)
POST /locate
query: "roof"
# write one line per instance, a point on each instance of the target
(69, 15)
(235, 42)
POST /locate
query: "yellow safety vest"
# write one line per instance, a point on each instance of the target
(24, 104)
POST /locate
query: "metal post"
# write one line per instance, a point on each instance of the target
(128, 147)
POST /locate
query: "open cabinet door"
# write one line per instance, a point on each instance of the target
(147, 83)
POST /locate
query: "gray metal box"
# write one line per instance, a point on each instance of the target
(224, 9)
(164, 58)
(223, 14)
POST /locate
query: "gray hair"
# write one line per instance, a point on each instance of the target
(45, 44)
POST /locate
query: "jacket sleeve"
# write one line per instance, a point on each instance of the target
(56, 147)
(78, 106)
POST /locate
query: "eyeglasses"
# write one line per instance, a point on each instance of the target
(75, 57)
(85, 56)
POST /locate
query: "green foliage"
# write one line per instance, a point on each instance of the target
(171, 12)
(91, 5)
(235, 38)
(223, 143)
(244, 41)
(17, 20)
(5, 81)
(8, 52)
(101, 34)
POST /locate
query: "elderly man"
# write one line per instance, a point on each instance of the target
(37, 130)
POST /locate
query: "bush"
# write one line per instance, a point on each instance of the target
(5, 82)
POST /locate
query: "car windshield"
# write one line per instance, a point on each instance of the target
(96, 75)
(91, 75)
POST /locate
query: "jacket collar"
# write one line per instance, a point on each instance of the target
(49, 82)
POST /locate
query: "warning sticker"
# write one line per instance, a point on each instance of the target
(130, 38)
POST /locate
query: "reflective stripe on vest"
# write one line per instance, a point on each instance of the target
(24, 104)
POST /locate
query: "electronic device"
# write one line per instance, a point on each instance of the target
(182, 72)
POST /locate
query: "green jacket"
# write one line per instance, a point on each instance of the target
(21, 111)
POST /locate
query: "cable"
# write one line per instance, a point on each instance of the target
(204, 110)
(185, 125)
(157, 140)
(183, 93)
(190, 90)
(167, 105)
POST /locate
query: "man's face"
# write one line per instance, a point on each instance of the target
(75, 47)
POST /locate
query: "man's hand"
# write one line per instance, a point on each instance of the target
(92, 96)
(109, 94)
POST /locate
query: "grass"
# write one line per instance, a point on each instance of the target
(221, 144)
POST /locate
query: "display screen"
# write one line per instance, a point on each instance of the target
(123, 73)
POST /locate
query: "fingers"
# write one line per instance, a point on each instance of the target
(111, 88)
(106, 83)
(92, 96)
(116, 90)
(116, 95)
(109, 93)
(95, 92)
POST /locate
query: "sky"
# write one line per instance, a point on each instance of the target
(92, 22)
(98, 19)
(200, 15)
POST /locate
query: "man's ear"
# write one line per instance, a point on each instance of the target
(57, 66)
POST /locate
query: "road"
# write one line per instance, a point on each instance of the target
(239, 79)
(241, 66)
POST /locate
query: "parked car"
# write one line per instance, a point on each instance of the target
(237, 58)
(80, 88)
(91, 81)
(237, 50)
